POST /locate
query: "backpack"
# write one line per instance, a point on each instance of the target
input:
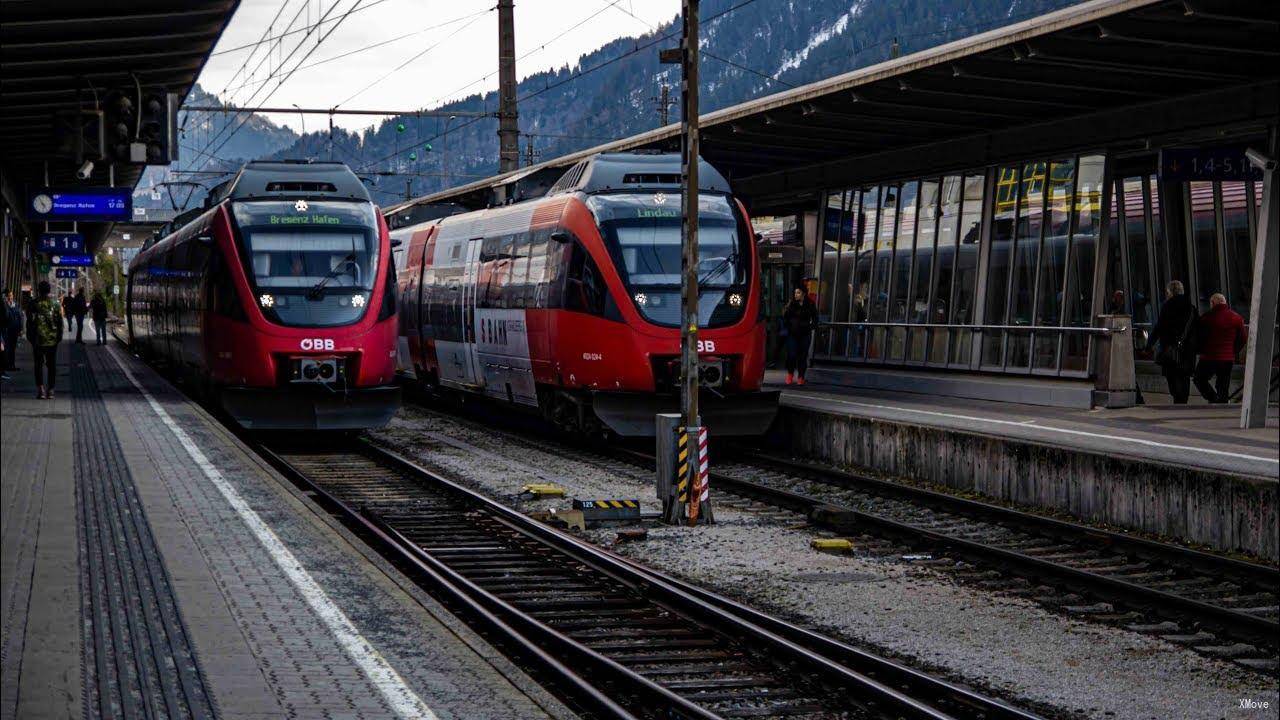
(46, 322)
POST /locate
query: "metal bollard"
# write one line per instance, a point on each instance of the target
(1116, 382)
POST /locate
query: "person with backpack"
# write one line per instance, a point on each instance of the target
(44, 330)
(79, 308)
(99, 308)
(1174, 332)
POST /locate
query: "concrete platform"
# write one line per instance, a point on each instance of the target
(152, 566)
(1188, 472)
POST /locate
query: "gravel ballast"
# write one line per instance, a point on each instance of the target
(991, 640)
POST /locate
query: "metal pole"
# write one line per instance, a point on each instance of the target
(1262, 306)
(444, 152)
(330, 137)
(508, 127)
(689, 375)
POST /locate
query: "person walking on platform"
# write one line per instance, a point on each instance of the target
(79, 308)
(99, 308)
(1221, 336)
(12, 329)
(44, 330)
(799, 318)
(1175, 333)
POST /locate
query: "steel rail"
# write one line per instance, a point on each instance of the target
(1244, 626)
(392, 543)
(778, 638)
(658, 589)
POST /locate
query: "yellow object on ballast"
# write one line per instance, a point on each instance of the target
(831, 545)
(543, 490)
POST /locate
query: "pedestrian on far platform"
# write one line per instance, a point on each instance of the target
(65, 303)
(1175, 334)
(799, 320)
(1221, 336)
(44, 330)
(12, 330)
(99, 308)
(79, 308)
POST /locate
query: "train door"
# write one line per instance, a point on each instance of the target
(473, 285)
(781, 270)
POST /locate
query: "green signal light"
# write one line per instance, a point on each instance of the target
(413, 156)
(399, 127)
(426, 148)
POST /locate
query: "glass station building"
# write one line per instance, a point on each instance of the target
(994, 268)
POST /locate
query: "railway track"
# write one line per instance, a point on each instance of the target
(1215, 605)
(615, 638)
(1219, 606)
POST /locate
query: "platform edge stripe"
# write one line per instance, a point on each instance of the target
(399, 697)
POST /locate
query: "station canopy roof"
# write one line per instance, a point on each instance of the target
(55, 54)
(1103, 71)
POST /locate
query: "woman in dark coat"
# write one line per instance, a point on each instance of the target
(1175, 336)
(799, 320)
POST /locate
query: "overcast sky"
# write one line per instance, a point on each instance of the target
(463, 61)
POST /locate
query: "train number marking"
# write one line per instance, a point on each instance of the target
(707, 346)
(316, 343)
(592, 356)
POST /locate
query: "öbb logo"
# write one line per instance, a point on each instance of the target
(317, 343)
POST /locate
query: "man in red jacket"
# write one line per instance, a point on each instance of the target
(1221, 335)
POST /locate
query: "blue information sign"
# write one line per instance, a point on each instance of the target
(1214, 162)
(103, 204)
(61, 242)
(67, 273)
(71, 260)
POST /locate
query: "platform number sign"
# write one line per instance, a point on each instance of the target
(67, 273)
(54, 242)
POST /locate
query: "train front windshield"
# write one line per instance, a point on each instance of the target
(643, 234)
(312, 263)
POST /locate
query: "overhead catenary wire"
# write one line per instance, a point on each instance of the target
(285, 79)
(283, 35)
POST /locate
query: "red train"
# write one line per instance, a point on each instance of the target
(276, 300)
(570, 303)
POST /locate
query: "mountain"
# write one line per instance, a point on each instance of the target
(258, 137)
(749, 49)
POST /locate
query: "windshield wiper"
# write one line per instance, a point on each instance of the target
(719, 268)
(318, 288)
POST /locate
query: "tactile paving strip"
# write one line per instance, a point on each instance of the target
(138, 658)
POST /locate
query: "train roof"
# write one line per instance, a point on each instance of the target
(608, 172)
(287, 179)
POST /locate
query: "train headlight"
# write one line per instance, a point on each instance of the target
(735, 299)
(267, 300)
(641, 299)
(357, 300)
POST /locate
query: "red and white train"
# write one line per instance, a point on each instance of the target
(570, 303)
(277, 300)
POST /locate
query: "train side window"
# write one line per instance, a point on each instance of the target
(535, 285)
(584, 286)
(518, 283)
(556, 270)
(222, 295)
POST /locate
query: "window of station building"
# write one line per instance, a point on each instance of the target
(944, 260)
(1026, 255)
(1238, 241)
(1204, 240)
(830, 255)
(887, 209)
(1135, 206)
(965, 283)
(1053, 257)
(1003, 226)
(900, 284)
(919, 310)
(842, 286)
(866, 229)
(1078, 295)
